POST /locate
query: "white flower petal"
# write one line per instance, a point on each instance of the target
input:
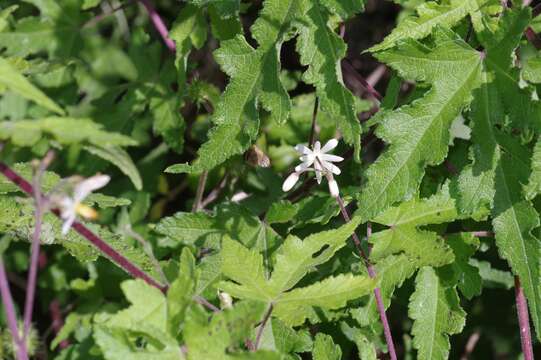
(308, 159)
(331, 144)
(290, 181)
(303, 166)
(333, 187)
(86, 186)
(317, 147)
(68, 221)
(331, 158)
(303, 150)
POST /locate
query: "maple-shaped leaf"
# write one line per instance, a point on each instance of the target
(403, 248)
(321, 49)
(418, 134)
(435, 309)
(430, 15)
(254, 81)
(501, 167)
(294, 260)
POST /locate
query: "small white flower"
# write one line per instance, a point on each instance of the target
(70, 206)
(320, 162)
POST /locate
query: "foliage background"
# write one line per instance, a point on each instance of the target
(114, 99)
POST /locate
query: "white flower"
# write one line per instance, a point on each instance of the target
(70, 206)
(320, 162)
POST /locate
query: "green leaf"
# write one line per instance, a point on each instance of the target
(437, 209)
(429, 15)
(437, 314)
(230, 219)
(325, 349)
(65, 130)
(148, 307)
(121, 159)
(321, 49)
(493, 277)
(227, 329)
(254, 80)
(14, 81)
(295, 258)
(115, 344)
(331, 293)
(533, 187)
(418, 134)
(392, 272)
(423, 247)
(461, 272)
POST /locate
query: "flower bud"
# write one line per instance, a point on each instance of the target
(290, 181)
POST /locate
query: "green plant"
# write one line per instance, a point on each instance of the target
(210, 241)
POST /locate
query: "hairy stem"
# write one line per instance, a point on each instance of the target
(159, 24)
(262, 326)
(372, 273)
(99, 243)
(34, 251)
(7, 300)
(523, 321)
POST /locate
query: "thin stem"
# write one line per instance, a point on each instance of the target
(470, 345)
(262, 326)
(105, 248)
(34, 252)
(200, 191)
(7, 300)
(202, 301)
(58, 322)
(523, 321)
(214, 193)
(372, 273)
(369, 88)
(159, 25)
(313, 128)
(482, 233)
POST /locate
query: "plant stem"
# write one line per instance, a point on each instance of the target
(313, 127)
(159, 25)
(262, 326)
(523, 321)
(34, 249)
(105, 248)
(201, 300)
(200, 191)
(532, 37)
(372, 273)
(482, 233)
(58, 322)
(7, 300)
(369, 88)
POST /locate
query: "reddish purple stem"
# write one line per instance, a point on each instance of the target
(34, 248)
(7, 300)
(372, 273)
(105, 248)
(56, 316)
(159, 24)
(523, 321)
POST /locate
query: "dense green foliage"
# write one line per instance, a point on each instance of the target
(442, 173)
